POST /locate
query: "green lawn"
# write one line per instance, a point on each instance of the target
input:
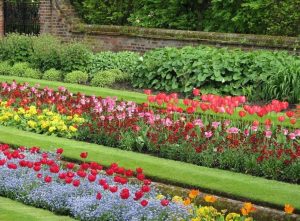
(121, 94)
(240, 186)
(11, 210)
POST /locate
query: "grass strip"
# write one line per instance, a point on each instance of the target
(126, 95)
(11, 210)
(236, 185)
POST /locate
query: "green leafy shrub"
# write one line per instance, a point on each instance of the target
(19, 69)
(74, 56)
(104, 12)
(78, 77)
(254, 16)
(46, 52)
(52, 75)
(32, 73)
(5, 68)
(125, 61)
(211, 69)
(16, 48)
(108, 78)
(174, 14)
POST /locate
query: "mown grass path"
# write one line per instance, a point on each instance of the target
(11, 210)
(240, 186)
(125, 95)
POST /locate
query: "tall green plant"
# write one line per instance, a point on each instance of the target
(254, 16)
(16, 48)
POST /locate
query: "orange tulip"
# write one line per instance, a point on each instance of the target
(247, 208)
(288, 209)
(210, 199)
(194, 193)
(187, 202)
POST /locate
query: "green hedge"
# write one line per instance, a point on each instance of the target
(221, 71)
(270, 17)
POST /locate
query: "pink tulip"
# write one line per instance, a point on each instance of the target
(208, 134)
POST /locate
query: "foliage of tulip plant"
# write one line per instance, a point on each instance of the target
(269, 150)
(89, 192)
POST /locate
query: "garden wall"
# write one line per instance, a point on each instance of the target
(59, 18)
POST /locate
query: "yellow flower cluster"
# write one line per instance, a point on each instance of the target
(209, 213)
(39, 121)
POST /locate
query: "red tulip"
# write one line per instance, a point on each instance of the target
(242, 113)
(139, 170)
(48, 179)
(76, 183)
(59, 150)
(290, 114)
(12, 166)
(70, 166)
(129, 173)
(281, 118)
(146, 189)
(144, 203)
(124, 194)
(84, 166)
(138, 195)
(84, 155)
(102, 182)
(113, 189)
(62, 176)
(190, 110)
(81, 173)
(196, 92)
(164, 202)
(37, 168)
(268, 122)
(147, 182)
(147, 92)
(99, 196)
(68, 180)
(54, 169)
(140, 176)
(91, 178)
(293, 120)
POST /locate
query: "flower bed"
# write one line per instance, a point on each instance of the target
(89, 192)
(268, 150)
(39, 120)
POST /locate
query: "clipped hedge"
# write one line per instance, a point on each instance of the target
(222, 71)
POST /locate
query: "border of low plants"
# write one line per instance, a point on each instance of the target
(120, 94)
(243, 187)
(12, 210)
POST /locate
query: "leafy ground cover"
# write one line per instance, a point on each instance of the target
(12, 211)
(237, 185)
(272, 151)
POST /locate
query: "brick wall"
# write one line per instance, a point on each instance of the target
(1, 18)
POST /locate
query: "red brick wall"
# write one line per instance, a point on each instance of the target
(1, 18)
